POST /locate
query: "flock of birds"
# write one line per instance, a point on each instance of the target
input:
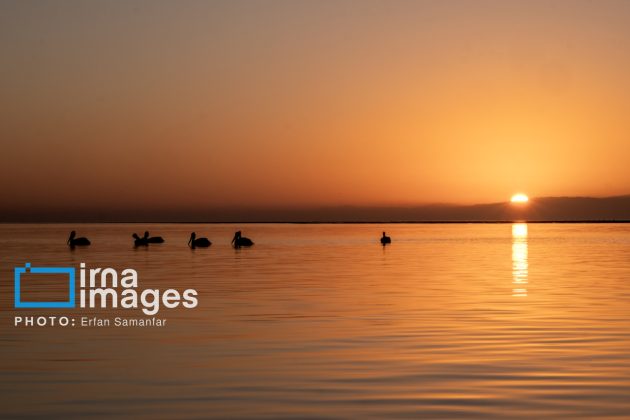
(237, 241)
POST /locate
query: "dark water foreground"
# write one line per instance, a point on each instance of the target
(320, 321)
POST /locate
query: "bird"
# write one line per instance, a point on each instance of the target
(139, 241)
(240, 241)
(72, 241)
(195, 242)
(153, 239)
(385, 239)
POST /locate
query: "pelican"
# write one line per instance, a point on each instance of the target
(153, 239)
(385, 239)
(195, 242)
(240, 241)
(72, 241)
(139, 241)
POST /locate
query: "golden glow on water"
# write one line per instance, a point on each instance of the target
(519, 230)
(450, 321)
(519, 259)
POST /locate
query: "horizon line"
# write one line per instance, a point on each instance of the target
(340, 222)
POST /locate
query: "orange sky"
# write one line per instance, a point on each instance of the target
(312, 103)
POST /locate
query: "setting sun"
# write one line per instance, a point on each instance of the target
(519, 198)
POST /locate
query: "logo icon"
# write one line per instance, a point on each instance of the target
(18, 271)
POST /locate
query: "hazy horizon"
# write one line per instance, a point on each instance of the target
(615, 208)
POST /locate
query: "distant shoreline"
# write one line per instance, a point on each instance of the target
(538, 210)
(429, 222)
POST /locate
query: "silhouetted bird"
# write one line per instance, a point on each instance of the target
(72, 241)
(153, 239)
(198, 242)
(240, 241)
(385, 239)
(139, 241)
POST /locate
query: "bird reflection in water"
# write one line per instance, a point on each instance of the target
(519, 259)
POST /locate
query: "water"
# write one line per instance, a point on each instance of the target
(320, 321)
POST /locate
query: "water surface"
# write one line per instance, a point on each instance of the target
(320, 321)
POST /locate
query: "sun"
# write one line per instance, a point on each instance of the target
(519, 198)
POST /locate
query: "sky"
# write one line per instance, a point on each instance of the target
(176, 105)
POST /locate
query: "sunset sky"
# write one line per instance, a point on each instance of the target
(202, 104)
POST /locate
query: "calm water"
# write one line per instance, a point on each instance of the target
(320, 321)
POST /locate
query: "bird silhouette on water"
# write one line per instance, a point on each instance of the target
(138, 241)
(153, 239)
(195, 242)
(73, 241)
(240, 241)
(385, 239)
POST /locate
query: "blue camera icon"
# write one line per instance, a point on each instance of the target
(17, 274)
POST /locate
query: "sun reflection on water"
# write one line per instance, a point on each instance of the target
(519, 259)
